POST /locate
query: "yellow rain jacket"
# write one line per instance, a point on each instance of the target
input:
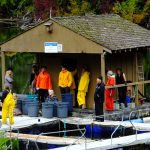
(83, 88)
(65, 79)
(84, 82)
(8, 109)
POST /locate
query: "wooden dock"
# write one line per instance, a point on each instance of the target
(108, 144)
(47, 139)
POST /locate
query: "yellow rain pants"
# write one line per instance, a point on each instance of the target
(83, 88)
(81, 97)
(7, 109)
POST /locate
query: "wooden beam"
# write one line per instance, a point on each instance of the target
(46, 139)
(3, 67)
(103, 66)
(123, 85)
(103, 73)
(107, 50)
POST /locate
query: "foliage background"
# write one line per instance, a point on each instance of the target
(137, 11)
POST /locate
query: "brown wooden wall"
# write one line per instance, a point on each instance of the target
(123, 60)
(33, 41)
(53, 62)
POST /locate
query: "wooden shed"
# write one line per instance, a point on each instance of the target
(102, 42)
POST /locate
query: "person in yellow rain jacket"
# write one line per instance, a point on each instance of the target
(8, 108)
(83, 87)
(65, 80)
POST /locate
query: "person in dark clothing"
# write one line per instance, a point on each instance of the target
(99, 98)
(121, 79)
(33, 79)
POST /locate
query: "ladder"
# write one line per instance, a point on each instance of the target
(140, 67)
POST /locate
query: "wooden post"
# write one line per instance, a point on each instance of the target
(103, 73)
(103, 66)
(136, 68)
(3, 67)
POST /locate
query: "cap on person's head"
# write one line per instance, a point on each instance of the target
(109, 73)
(64, 66)
(100, 77)
(85, 67)
(34, 66)
(9, 69)
(119, 69)
(44, 67)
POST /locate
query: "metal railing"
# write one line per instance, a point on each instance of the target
(139, 114)
(131, 122)
(48, 133)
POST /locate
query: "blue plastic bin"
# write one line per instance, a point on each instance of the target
(62, 110)
(55, 109)
(25, 106)
(19, 104)
(33, 108)
(32, 97)
(47, 110)
(68, 97)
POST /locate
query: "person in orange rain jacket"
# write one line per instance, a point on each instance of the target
(110, 92)
(44, 84)
(65, 80)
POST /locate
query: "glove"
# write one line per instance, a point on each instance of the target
(51, 92)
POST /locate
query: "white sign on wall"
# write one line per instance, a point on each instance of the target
(52, 47)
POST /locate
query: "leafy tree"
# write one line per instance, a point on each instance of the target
(134, 10)
(15, 8)
(78, 7)
(72, 7)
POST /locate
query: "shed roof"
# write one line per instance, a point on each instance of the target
(110, 31)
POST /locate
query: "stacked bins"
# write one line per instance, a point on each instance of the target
(24, 107)
(53, 100)
(28, 98)
(62, 110)
(33, 105)
(68, 97)
(33, 108)
(47, 109)
(19, 104)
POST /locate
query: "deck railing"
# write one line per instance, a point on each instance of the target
(134, 84)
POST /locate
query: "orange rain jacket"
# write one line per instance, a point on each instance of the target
(44, 81)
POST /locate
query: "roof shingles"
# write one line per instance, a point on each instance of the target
(111, 31)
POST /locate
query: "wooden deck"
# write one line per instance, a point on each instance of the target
(116, 143)
(47, 139)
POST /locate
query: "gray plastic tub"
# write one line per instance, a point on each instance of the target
(19, 104)
(62, 110)
(25, 107)
(47, 110)
(33, 108)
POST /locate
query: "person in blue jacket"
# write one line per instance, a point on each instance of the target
(99, 98)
